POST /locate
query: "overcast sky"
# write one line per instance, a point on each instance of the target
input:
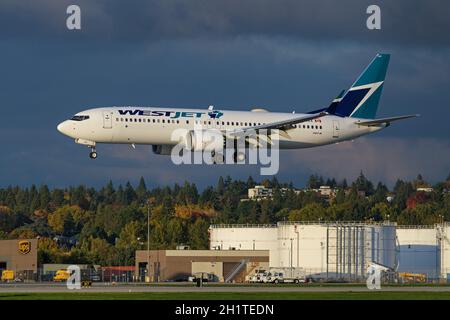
(281, 55)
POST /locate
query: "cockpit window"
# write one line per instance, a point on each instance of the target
(79, 118)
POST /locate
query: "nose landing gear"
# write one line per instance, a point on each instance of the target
(93, 153)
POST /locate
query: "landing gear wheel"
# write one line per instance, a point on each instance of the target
(93, 153)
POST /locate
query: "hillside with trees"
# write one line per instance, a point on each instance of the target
(85, 225)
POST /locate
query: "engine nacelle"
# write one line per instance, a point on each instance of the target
(204, 140)
(162, 149)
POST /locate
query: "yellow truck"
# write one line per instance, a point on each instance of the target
(7, 275)
(61, 275)
(408, 277)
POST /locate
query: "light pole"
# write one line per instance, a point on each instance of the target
(298, 244)
(292, 264)
(148, 242)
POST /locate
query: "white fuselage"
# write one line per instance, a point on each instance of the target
(148, 125)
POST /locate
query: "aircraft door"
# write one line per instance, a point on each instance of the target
(107, 120)
(336, 128)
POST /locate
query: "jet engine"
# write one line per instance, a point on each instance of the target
(162, 149)
(204, 140)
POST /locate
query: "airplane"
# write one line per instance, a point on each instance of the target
(349, 116)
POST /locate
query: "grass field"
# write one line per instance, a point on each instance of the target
(230, 296)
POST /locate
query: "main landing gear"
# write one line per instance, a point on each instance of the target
(93, 153)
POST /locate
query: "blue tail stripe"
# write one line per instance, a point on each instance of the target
(350, 101)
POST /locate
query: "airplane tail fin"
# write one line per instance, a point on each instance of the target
(361, 100)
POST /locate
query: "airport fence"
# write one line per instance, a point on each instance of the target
(129, 275)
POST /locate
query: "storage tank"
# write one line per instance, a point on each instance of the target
(443, 235)
(418, 250)
(341, 250)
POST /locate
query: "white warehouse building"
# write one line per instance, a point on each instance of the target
(244, 237)
(334, 250)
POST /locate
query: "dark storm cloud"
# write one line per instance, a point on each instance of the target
(408, 22)
(281, 55)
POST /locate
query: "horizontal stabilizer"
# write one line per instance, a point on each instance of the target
(377, 122)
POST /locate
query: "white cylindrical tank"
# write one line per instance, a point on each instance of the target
(335, 250)
(418, 250)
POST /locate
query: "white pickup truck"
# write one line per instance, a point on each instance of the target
(284, 276)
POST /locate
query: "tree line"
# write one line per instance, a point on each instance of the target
(105, 226)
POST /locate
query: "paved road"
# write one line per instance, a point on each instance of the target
(38, 288)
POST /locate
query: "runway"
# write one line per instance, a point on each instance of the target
(108, 288)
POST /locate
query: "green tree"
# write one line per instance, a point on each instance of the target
(198, 234)
(310, 212)
(61, 221)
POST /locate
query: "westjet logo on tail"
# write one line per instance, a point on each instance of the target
(170, 114)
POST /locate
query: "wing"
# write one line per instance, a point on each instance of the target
(281, 125)
(387, 121)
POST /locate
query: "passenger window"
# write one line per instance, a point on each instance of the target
(163, 121)
(187, 121)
